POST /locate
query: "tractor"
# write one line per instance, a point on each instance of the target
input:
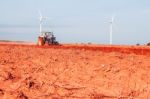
(47, 38)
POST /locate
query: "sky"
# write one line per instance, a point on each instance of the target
(77, 21)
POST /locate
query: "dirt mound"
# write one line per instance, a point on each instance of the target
(72, 72)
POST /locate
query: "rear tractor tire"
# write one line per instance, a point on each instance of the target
(41, 41)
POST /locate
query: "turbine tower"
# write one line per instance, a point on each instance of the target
(41, 20)
(111, 30)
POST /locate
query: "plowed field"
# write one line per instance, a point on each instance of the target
(74, 72)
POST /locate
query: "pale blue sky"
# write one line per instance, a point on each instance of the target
(77, 20)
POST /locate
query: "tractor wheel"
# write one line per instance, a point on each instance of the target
(56, 43)
(40, 41)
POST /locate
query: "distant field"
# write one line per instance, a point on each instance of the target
(16, 42)
(130, 49)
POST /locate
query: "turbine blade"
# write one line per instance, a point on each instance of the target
(112, 19)
(40, 14)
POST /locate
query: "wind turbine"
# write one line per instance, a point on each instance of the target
(41, 20)
(111, 30)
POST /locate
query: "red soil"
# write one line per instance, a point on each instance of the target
(74, 71)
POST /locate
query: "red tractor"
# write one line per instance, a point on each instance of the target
(47, 38)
